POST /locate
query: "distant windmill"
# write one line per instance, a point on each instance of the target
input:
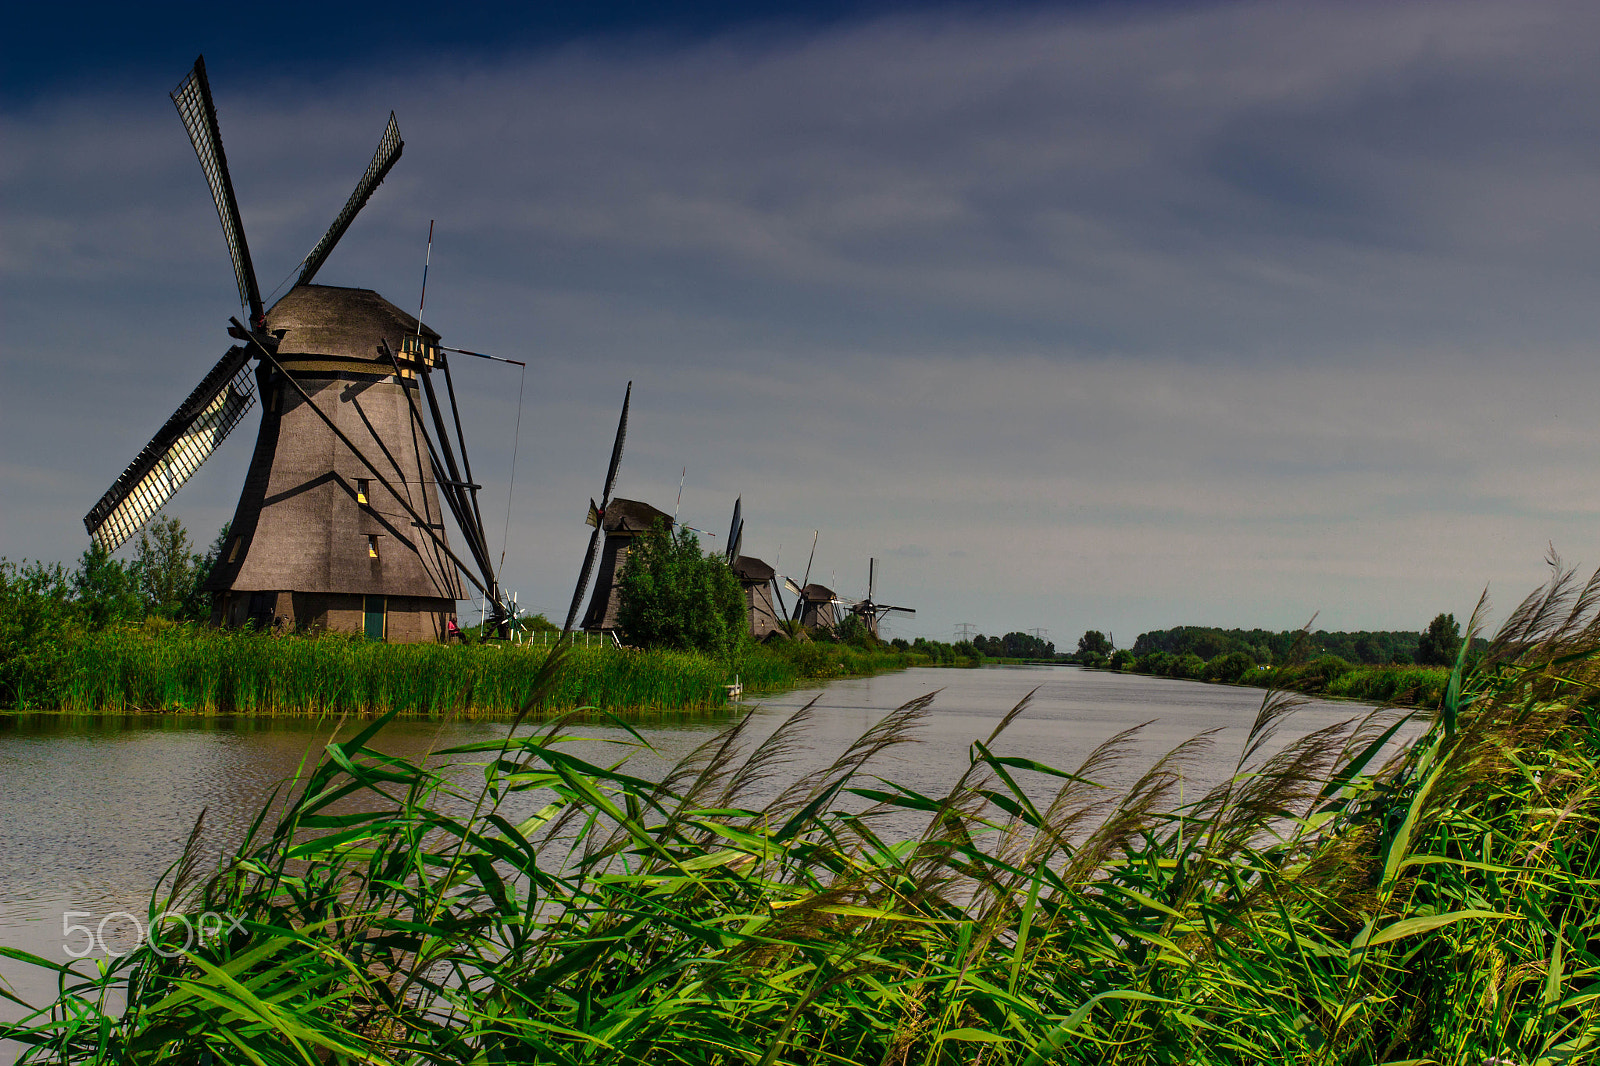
(758, 580)
(814, 604)
(339, 523)
(618, 521)
(869, 610)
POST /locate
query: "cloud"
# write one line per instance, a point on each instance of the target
(1216, 314)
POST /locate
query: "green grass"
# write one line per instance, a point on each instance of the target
(206, 671)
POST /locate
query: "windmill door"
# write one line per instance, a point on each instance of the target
(374, 614)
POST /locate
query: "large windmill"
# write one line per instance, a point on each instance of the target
(339, 524)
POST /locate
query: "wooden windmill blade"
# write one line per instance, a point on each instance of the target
(735, 530)
(186, 440)
(597, 514)
(589, 555)
(193, 100)
(227, 392)
(388, 154)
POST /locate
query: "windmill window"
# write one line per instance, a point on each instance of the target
(363, 485)
(372, 545)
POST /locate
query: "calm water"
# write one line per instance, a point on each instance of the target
(94, 810)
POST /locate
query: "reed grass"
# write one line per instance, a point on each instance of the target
(1340, 899)
(206, 671)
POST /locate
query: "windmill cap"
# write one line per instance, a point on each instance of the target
(749, 568)
(334, 321)
(633, 516)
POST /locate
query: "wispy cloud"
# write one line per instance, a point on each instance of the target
(1228, 313)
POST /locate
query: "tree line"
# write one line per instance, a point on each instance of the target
(1157, 650)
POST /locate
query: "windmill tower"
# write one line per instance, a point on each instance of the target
(339, 524)
(757, 579)
(815, 606)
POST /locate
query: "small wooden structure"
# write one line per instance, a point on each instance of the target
(816, 607)
(622, 521)
(757, 577)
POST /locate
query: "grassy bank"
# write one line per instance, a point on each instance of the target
(1329, 904)
(1413, 686)
(1326, 675)
(200, 670)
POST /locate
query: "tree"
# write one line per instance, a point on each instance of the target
(1440, 642)
(197, 604)
(1094, 643)
(106, 590)
(852, 630)
(167, 568)
(672, 596)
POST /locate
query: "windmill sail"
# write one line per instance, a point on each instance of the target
(192, 97)
(597, 514)
(176, 451)
(389, 148)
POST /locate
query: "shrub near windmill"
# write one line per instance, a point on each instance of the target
(339, 524)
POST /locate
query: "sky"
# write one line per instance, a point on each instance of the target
(1097, 315)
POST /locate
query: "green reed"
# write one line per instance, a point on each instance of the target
(1344, 898)
(202, 670)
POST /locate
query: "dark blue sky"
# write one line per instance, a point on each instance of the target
(66, 48)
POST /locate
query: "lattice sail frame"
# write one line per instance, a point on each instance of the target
(223, 397)
(193, 100)
(383, 160)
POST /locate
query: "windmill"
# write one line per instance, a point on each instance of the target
(619, 521)
(869, 610)
(814, 604)
(758, 580)
(339, 523)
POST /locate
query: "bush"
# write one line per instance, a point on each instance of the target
(1158, 663)
(1190, 667)
(1229, 668)
(674, 597)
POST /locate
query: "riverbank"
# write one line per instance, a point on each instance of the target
(1328, 676)
(198, 670)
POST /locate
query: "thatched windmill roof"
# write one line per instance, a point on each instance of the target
(328, 320)
(748, 568)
